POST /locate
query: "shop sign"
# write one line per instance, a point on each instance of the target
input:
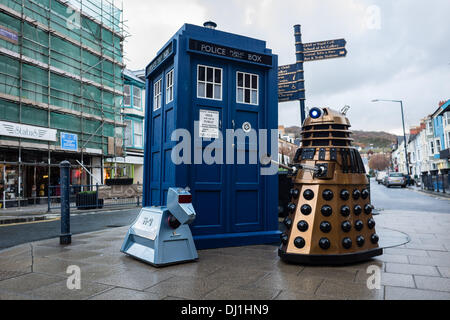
(69, 141)
(17, 130)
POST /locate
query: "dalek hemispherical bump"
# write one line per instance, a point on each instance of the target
(334, 223)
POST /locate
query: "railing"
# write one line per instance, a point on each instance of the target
(91, 197)
(436, 182)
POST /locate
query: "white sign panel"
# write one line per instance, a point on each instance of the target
(209, 124)
(17, 130)
(148, 223)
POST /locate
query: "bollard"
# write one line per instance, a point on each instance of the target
(66, 236)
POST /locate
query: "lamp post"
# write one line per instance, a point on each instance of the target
(404, 130)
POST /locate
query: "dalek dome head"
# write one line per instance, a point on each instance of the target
(326, 115)
(326, 128)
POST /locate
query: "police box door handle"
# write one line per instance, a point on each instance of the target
(233, 124)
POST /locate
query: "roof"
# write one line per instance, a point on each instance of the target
(132, 76)
(443, 108)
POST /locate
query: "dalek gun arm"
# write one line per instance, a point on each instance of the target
(319, 170)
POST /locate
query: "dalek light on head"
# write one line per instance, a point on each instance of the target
(330, 218)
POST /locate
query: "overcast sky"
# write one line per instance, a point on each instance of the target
(396, 49)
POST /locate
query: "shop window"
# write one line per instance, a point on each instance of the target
(209, 83)
(169, 87)
(137, 97)
(126, 95)
(247, 88)
(157, 95)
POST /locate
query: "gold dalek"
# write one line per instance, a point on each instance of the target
(330, 218)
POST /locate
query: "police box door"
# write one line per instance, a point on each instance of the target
(227, 197)
(246, 113)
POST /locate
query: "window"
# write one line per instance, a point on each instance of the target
(157, 95)
(128, 133)
(438, 145)
(431, 147)
(127, 95)
(247, 88)
(447, 118)
(137, 97)
(448, 139)
(209, 83)
(138, 134)
(134, 133)
(429, 127)
(169, 87)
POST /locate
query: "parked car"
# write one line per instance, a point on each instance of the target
(395, 179)
(380, 176)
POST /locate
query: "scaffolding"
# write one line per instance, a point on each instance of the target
(61, 66)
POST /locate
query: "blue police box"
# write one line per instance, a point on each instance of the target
(224, 81)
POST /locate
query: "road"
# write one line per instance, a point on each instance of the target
(397, 198)
(13, 235)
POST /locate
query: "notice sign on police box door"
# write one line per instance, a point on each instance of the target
(209, 124)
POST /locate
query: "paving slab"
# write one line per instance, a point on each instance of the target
(395, 293)
(227, 292)
(346, 290)
(137, 280)
(126, 294)
(185, 287)
(291, 282)
(412, 269)
(432, 283)
(391, 279)
(28, 282)
(59, 291)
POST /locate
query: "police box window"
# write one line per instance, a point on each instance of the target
(247, 88)
(209, 83)
(157, 95)
(169, 87)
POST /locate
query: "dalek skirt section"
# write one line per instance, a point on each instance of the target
(330, 215)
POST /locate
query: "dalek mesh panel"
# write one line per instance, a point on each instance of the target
(330, 215)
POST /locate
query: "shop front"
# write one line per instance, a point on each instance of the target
(25, 175)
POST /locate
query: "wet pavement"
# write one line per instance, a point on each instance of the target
(418, 269)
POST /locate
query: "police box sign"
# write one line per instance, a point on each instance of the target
(223, 51)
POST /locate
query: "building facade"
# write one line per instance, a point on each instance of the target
(428, 146)
(61, 90)
(131, 165)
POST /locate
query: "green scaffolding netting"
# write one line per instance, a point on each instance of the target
(35, 84)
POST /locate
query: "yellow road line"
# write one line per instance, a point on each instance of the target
(31, 222)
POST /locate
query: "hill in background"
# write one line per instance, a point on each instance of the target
(363, 139)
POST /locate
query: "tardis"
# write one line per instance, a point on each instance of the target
(205, 82)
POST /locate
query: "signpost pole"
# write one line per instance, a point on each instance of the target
(300, 60)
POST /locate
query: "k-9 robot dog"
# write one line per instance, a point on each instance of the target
(161, 236)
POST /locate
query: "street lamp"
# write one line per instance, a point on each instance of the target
(404, 131)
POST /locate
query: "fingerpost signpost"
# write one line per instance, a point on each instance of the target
(291, 78)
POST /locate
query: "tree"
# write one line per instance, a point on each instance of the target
(379, 162)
